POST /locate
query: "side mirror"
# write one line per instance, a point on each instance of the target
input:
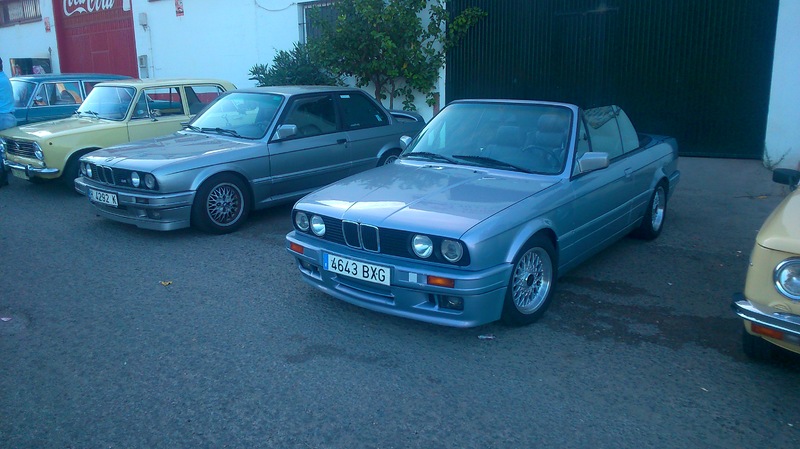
(592, 161)
(286, 131)
(405, 141)
(786, 176)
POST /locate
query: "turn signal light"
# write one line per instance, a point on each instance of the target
(296, 248)
(441, 282)
(761, 330)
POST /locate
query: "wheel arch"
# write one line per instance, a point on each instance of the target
(210, 172)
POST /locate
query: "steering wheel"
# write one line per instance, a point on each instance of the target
(547, 156)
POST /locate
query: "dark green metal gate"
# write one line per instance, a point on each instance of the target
(698, 70)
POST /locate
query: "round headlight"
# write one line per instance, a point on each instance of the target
(301, 221)
(89, 170)
(317, 225)
(83, 168)
(422, 246)
(452, 250)
(150, 181)
(37, 151)
(787, 278)
(135, 181)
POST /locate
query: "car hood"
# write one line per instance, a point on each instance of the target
(149, 154)
(780, 231)
(444, 200)
(56, 128)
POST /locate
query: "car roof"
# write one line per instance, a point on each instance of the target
(167, 82)
(68, 77)
(297, 90)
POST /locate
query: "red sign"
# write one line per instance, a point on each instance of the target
(86, 6)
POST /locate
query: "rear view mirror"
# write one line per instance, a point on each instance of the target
(405, 141)
(786, 176)
(592, 161)
(285, 132)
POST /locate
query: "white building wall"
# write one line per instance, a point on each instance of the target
(30, 40)
(782, 145)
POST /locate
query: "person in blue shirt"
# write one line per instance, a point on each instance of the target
(7, 119)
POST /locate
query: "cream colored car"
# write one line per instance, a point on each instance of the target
(113, 113)
(770, 305)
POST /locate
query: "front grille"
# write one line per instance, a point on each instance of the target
(103, 174)
(387, 241)
(20, 148)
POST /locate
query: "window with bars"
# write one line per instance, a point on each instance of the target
(309, 29)
(19, 11)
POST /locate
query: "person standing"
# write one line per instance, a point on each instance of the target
(7, 118)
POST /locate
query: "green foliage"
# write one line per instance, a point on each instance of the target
(295, 67)
(384, 42)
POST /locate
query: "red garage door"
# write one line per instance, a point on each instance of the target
(95, 36)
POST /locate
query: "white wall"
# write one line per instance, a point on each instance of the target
(782, 143)
(213, 39)
(30, 40)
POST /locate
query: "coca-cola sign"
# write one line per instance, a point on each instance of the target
(86, 6)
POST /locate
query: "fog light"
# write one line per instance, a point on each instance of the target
(451, 302)
(441, 282)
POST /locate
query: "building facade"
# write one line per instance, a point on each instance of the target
(203, 38)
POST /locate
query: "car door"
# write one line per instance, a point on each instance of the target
(367, 126)
(157, 111)
(55, 100)
(316, 155)
(601, 205)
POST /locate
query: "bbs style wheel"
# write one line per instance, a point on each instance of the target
(221, 204)
(530, 289)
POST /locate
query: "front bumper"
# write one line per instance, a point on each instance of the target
(29, 170)
(409, 295)
(785, 324)
(158, 212)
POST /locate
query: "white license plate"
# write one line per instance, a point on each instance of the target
(109, 199)
(358, 270)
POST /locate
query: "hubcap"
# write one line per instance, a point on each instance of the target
(532, 279)
(657, 213)
(224, 204)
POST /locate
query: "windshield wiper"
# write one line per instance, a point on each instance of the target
(488, 161)
(229, 132)
(88, 112)
(430, 155)
(193, 128)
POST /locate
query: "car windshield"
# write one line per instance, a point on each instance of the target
(532, 138)
(108, 102)
(22, 92)
(239, 114)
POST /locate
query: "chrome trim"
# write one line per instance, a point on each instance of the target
(767, 317)
(28, 168)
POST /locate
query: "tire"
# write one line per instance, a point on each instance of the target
(221, 204)
(533, 279)
(653, 220)
(756, 347)
(389, 158)
(71, 172)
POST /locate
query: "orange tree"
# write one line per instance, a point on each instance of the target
(387, 43)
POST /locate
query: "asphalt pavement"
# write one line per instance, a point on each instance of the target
(116, 337)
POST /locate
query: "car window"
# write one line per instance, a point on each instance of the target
(248, 114)
(109, 102)
(312, 115)
(158, 102)
(89, 85)
(604, 131)
(45, 95)
(360, 112)
(23, 91)
(68, 92)
(582, 145)
(197, 97)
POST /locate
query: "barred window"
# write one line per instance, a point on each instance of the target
(19, 11)
(308, 28)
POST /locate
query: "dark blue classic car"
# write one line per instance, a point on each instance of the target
(52, 96)
(484, 210)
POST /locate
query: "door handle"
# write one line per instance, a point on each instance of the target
(628, 172)
(341, 141)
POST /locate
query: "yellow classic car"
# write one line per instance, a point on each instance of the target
(770, 305)
(113, 113)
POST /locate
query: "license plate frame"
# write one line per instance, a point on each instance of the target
(367, 272)
(106, 198)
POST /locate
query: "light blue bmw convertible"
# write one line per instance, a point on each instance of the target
(484, 210)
